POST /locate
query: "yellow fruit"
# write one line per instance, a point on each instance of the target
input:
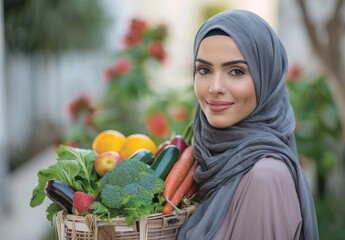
(108, 140)
(135, 142)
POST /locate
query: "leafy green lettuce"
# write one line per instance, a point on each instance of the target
(73, 166)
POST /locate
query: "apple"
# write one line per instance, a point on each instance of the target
(106, 161)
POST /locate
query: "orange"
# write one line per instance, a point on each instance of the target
(108, 140)
(135, 142)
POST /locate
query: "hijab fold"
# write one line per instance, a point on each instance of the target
(225, 155)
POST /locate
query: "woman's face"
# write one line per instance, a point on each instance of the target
(223, 85)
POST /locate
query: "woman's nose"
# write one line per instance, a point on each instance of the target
(216, 86)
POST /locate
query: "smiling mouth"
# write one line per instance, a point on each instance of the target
(218, 106)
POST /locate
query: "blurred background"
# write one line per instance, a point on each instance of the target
(70, 69)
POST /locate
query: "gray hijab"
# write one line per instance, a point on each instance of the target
(225, 155)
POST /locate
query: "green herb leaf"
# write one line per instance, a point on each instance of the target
(64, 170)
(74, 166)
(51, 210)
(85, 158)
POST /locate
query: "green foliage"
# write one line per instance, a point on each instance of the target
(54, 26)
(51, 210)
(143, 48)
(318, 123)
(212, 9)
(127, 84)
(130, 189)
(330, 214)
(177, 107)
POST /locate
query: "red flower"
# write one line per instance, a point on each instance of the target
(123, 66)
(178, 113)
(157, 124)
(135, 33)
(108, 73)
(156, 50)
(138, 25)
(294, 73)
(132, 38)
(79, 105)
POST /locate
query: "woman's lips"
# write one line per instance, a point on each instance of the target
(218, 106)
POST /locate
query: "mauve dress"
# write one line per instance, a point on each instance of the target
(265, 205)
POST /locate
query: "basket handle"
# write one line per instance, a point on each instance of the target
(91, 222)
(60, 225)
(143, 227)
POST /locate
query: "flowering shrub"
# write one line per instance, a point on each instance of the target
(170, 112)
(142, 45)
(317, 121)
(83, 130)
(127, 83)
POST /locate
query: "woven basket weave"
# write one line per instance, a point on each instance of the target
(152, 227)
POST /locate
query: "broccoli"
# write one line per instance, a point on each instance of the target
(149, 182)
(131, 187)
(127, 171)
(111, 196)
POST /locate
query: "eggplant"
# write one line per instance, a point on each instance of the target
(179, 142)
(60, 193)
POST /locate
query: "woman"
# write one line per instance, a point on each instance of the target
(250, 181)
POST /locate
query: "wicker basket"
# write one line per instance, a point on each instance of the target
(153, 227)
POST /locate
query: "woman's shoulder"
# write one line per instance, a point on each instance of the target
(267, 169)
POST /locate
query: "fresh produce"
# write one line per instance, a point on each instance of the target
(131, 182)
(192, 190)
(181, 191)
(179, 172)
(143, 155)
(106, 161)
(60, 193)
(73, 166)
(137, 141)
(131, 189)
(162, 146)
(165, 161)
(108, 140)
(179, 142)
(82, 203)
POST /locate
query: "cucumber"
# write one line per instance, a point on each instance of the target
(143, 155)
(165, 161)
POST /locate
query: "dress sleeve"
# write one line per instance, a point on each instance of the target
(265, 205)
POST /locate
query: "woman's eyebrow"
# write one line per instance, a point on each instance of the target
(224, 64)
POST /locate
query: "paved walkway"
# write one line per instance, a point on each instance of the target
(20, 221)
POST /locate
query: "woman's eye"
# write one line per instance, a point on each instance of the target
(203, 71)
(237, 72)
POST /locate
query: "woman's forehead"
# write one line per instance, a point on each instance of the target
(219, 47)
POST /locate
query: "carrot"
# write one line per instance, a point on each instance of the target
(180, 192)
(178, 172)
(191, 190)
